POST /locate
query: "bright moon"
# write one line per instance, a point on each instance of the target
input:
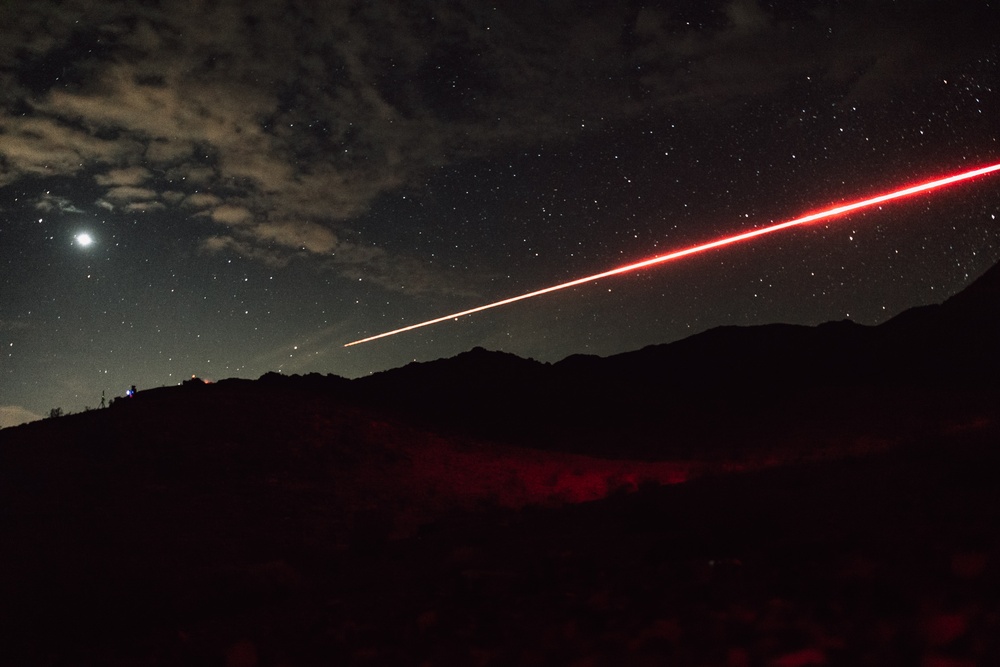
(84, 239)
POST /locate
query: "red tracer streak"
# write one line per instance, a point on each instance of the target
(660, 259)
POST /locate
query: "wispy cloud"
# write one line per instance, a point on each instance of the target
(130, 176)
(15, 415)
(50, 202)
(285, 126)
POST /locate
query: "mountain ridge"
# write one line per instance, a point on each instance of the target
(919, 350)
(488, 509)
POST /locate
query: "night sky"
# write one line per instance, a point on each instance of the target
(264, 181)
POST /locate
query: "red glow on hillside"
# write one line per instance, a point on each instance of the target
(728, 240)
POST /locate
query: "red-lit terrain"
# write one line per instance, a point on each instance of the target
(839, 505)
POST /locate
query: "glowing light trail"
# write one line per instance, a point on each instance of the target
(660, 259)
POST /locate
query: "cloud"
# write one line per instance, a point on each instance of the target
(307, 236)
(200, 200)
(231, 215)
(15, 415)
(287, 126)
(39, 146)
(50, 202)
(219, 243)
(164, 151)
(144, 206)
(131, 199)
(276, 243)
(129, 193)
(129, 176)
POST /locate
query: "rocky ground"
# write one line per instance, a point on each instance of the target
(888, 558)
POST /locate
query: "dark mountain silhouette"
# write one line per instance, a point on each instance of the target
(619, 405)
(839, 506)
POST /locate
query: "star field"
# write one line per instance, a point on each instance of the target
(262, 183)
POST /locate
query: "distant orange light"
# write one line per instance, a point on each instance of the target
(660, 259)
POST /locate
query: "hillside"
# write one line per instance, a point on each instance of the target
(838, 507)
(838, 379)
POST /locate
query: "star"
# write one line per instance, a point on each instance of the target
(463, 157)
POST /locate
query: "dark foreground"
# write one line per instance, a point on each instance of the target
(888, 559)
